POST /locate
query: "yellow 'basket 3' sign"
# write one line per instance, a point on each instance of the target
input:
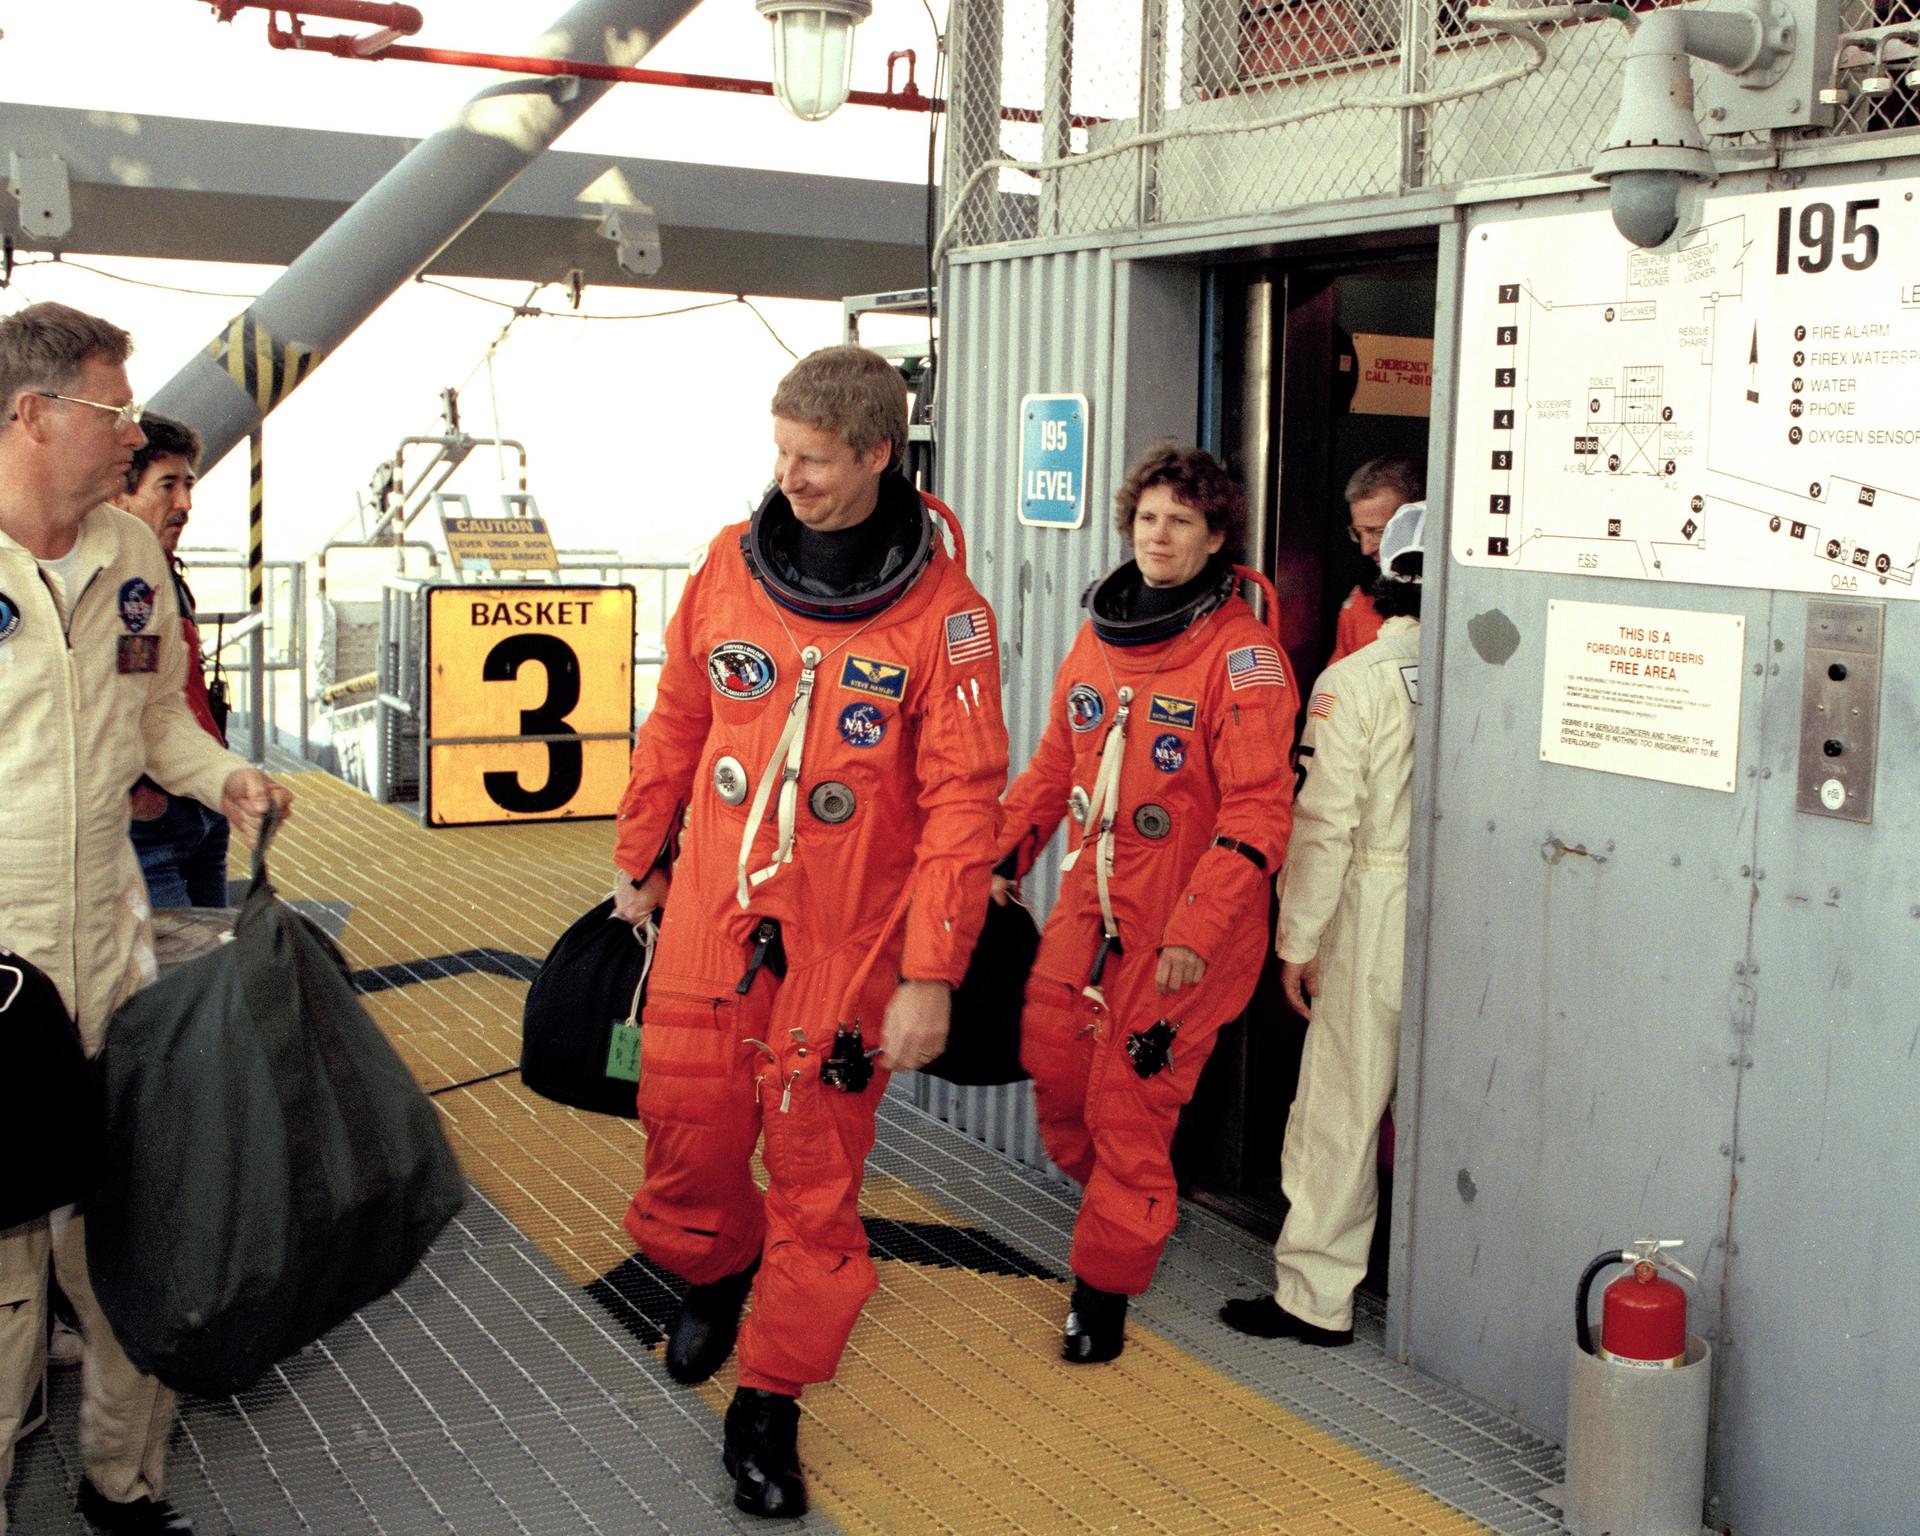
(529, 706)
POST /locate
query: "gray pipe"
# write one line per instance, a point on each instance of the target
(412, 214)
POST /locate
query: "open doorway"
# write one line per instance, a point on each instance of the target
(1313, 366)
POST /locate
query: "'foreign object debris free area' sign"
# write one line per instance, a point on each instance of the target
(1053, 460)
(529, 703)
(1653, 693)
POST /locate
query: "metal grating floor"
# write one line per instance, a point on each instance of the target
(513, 1384)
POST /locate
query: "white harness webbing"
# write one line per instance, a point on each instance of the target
(786, 759)
(1105, 807)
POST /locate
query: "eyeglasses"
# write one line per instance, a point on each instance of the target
(1361, 535)
(124, 416)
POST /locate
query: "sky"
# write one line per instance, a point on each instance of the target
(644, 435)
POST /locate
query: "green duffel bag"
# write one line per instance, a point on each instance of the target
(269, 1166)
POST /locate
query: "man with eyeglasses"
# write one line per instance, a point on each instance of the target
(1375, 491)
(92, 672)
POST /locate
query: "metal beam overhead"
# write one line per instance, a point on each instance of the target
(190, 189)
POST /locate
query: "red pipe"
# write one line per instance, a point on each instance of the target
(907, 99)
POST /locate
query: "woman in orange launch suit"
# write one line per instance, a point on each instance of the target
(1166, 743)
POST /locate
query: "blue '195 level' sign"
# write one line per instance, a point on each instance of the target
(1053, 460)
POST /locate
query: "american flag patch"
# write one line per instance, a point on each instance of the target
(969, 635)
(1251, 664)
(1322, 706)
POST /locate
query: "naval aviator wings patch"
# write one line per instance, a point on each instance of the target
(870, 675)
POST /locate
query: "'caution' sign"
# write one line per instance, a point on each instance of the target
(529, 705)
(481, 546)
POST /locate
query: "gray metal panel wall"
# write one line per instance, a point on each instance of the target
(1125, 335)
(1036, 325)
(1652, 1010)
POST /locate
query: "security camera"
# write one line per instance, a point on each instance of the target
(1655, 153)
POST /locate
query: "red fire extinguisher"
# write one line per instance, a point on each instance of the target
(1643, 1317)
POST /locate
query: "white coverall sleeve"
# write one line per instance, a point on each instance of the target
(1326, 812)
(181, 756)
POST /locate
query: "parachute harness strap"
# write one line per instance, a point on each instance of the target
(785, 761)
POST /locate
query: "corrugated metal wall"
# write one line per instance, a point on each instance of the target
(1037, 325)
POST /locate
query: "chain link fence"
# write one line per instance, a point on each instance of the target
(1077, 116)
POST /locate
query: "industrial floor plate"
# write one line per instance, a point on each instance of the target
(513, 1384)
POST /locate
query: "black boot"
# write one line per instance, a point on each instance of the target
(1265, 1318)
(142, 1517)
(1096, 1325)
(703, 1330)
(762, 1456)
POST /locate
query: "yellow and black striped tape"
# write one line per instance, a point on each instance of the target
(267, 370)
(256, 524)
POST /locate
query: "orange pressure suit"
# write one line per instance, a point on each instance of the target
(1358, 627)
(1170, 754)
(873, 776)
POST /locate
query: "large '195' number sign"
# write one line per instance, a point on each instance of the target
(529, 703)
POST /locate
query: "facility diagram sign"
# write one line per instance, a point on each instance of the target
(529, 704)
(1737, 410)
(1653, 693)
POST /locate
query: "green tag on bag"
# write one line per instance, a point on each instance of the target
(623, 1051)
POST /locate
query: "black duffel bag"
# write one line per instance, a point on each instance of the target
(269, 1164)
(49, 1109)
(580, 1032)
(983, 1035)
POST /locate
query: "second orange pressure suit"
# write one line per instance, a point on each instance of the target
(1200, 813)
(895, 781)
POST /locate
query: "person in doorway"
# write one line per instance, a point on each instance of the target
(1375, 491)
(1166, 742)
(182, 844)
(821, 783)
(92, 674)
(1343, 913)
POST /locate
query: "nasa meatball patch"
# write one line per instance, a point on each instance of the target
(9, 618)
(136, 605)
(862, 725)
(1085, 707)
(1169, 752)
(741, 670)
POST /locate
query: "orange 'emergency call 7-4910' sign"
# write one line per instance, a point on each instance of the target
(529, 704)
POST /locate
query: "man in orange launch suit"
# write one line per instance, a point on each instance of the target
(820, 782)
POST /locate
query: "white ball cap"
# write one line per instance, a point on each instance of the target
(1400, 546)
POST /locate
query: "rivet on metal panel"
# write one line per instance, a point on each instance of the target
(1753, 773)
(1739, 968)
(1675, 861)
(1733, 1061)
(1489, 826)
(1609, 845)
(1746, 871)
(1766, 773)
(1753, 967)
(1773, 669)
(1756, 669)
(1913, 911)
(1739, 1157)
(1726, 1149)
(1833, 893)
(1759, 874)
(1746, 1062)
(1733, 1250)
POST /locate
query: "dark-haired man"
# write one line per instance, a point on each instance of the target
(1375, 491)
(182, 844)
(821, 778)
(91, 677)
